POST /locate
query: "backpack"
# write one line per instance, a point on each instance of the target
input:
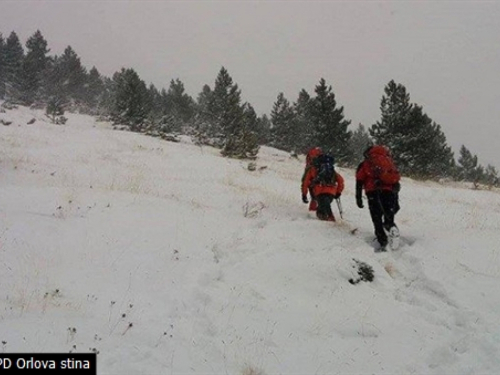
(325, 165)
(312, 154)
(382, 165)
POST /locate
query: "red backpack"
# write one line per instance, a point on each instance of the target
(313, 154)
(382, 165)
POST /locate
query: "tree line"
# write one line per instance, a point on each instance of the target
(218, 116)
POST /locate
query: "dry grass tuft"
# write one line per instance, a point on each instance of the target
(250, 370)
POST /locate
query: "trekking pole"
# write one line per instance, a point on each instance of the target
(339, 205)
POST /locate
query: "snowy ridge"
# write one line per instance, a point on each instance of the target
(167, 258)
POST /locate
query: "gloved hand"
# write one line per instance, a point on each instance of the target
(359, 201)
(304, 198)
(336, 196)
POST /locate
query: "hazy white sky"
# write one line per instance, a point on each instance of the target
(446, 53)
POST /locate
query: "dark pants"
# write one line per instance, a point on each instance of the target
(324, 211)
(383, 206)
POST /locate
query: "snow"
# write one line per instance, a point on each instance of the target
(168, 258)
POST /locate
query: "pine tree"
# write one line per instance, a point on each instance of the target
(263, 130)
(73, 76)
(243, 143)
(224, 106)
(34, 66)
(328, 123)
(2, 67)
(155, 105)
(51, 85)
(223, 114)
(423, 149)
(202, 118)
(395, 107)
(491, 176)
(468, 166)
(130, 97)
(106, 98)
(283, 121)
(178, 106)
(358, 143)
(55, 109)
(417, 143)
(94, 91)
(13, 63)
(203, 100)
(303, 126)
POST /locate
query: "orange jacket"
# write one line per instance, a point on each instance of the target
(308, 182)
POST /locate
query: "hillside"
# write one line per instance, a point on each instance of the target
(166, 258)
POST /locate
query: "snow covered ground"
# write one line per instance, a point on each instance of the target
(166, 258)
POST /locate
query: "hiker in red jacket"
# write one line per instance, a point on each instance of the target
(325, 185)
(312, 154)
(379, 177)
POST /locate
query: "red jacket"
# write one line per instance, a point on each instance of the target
(308, 182)
(366, 179)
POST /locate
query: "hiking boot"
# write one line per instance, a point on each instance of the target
(313, 205)
(330, 218)
(382, 248)
(394, 237)
(321, 216)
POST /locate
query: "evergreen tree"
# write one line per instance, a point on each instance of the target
(55, 108)
(263, 130)
(2, 67)
(155, 105)
(468, 166)
(249, 133)
(203, 100)
(303, 124)
(131, 100)
(94, 90)
(249, 119)
(51, 85)
(202, 117)
(73, 76)
(395, 107)
(224, 106)
(180, 103)
(106, 98)
(34, 66)
(491, 176)
(417, 143)
(283, 120)
(243, 143)
(423, 149)
(178, 107)
(328, 123)
(358, 143)
(224, 113)
(13, 63)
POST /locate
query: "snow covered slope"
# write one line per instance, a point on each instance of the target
(166, 258)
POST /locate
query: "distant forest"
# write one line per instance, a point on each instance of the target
(218, 117)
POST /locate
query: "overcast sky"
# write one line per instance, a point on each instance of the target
(446, 53)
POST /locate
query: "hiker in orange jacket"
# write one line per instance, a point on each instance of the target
(322, 191)
(312, 154)
(383, 199)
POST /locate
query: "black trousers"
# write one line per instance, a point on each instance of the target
(324, 211)
(383, 207)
